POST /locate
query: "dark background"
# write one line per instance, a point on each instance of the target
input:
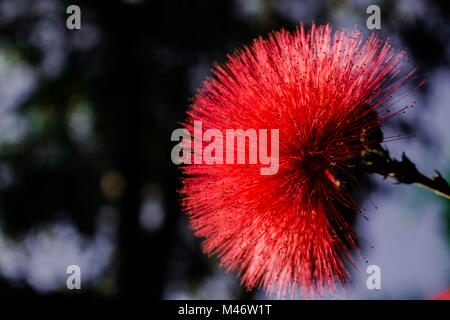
(85, 123)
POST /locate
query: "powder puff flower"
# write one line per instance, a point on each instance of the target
(327, 93)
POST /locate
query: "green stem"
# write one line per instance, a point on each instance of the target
(377, 160)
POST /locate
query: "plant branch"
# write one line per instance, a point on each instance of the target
(378, 160)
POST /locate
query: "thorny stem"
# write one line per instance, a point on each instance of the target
(378, 160)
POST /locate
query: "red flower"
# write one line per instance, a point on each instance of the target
(323, 91)
(443, 295)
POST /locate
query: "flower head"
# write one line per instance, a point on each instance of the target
(327, 94)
